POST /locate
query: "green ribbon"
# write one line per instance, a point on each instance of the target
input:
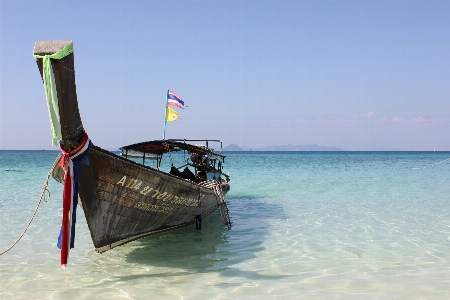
(50, 89)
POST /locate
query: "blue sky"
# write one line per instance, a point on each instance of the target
(359, 75)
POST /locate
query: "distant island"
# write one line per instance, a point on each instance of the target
(290, 147)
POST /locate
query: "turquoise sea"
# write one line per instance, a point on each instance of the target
(306, 225)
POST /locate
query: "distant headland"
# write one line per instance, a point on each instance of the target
(290, 147)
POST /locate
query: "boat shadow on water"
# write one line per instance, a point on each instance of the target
(214, 248)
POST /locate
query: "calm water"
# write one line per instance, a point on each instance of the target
(344, 225)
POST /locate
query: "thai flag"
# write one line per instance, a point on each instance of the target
(174, 99)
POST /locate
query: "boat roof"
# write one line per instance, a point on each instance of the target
(165, 146)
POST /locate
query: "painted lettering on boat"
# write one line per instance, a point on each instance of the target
(149, 192)
(127, 199)
(151, 207)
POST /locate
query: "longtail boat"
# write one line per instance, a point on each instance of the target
(123, 199)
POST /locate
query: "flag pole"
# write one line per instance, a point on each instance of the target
(165, 114)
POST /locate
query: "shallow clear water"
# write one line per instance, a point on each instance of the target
(346, 225)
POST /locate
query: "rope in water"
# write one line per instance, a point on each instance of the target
(46, 199)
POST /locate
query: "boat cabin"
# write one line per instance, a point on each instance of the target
(206, 164)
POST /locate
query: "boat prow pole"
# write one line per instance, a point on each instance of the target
(72, 130)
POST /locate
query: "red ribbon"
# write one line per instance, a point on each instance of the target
(67, 198)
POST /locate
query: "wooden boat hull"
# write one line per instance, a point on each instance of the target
(124, 201)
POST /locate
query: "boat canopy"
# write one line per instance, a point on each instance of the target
(160, 147)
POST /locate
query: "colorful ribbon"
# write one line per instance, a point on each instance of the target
(72, 169)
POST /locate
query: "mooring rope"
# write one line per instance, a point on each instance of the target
(46, 199)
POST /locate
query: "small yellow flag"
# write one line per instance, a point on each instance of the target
(171, 115)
